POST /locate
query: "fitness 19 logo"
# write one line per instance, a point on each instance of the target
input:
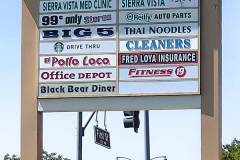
(181, 71)
(139, 16)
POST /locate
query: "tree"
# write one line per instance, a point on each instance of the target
(13, 157)
(53, 156)
(46, 156)
(232, 151)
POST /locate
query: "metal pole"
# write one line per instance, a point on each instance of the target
(90, 118)
(147, 136)
(80, 136)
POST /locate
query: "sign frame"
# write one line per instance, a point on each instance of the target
(119, 50)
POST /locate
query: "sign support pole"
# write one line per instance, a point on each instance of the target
(31, 119)
(80, 136)
(211, 79)
(147, 135)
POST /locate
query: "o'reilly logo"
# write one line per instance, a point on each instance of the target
(136, 17)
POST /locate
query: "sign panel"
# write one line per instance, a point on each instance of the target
(158, 73)
(81, 61)
(159, 88)
(157, 4)
(156, 30)
(77, 19)
(102, 137)
(161, 44)
(47, 6)
(73, 89)
(77, 33)
(108, 48)
(159, 16)
(78, 47)
(157, 58)
(77, 75)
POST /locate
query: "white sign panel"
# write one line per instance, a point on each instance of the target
(158, 73)
(77, 33)
(150, 45)
(77, 75)
(159, 88)
(159, 16)
(78, 47)
(156, 30)
(81, 89)
(157, 4)
(76, 5)
(83, 61)
(77, 19)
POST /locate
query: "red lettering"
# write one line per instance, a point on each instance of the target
(53, 75)
(88, 75)
(149, 72)
(81, 75)
(45, 75)
(94, 75)
(101, 75)
(108, 74)
(67, 62)
(131, 71)
(95, 62)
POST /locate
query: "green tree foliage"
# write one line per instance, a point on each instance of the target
(46, 156)
(13, 157)
(232, 151)
(53, 156)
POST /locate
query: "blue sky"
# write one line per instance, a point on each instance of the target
(173, 133)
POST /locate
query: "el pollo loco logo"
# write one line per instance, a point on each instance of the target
(77, 61)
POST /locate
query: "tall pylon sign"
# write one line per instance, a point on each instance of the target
(87, 55)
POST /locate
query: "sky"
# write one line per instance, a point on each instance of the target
(175, 134)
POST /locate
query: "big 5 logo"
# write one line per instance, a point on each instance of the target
(77, 33)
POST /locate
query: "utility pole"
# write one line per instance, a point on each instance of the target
(80, 136)
(81, 130)
(146, 135)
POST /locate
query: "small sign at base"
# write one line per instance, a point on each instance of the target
(102, 137)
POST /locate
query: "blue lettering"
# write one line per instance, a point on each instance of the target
(153, 45)
(162, 44)
(145, 44)
(86, 32)
(50, 34)
(170, 44)
(187, 43)
(178, 44)
(129, 45)
(137, 45)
